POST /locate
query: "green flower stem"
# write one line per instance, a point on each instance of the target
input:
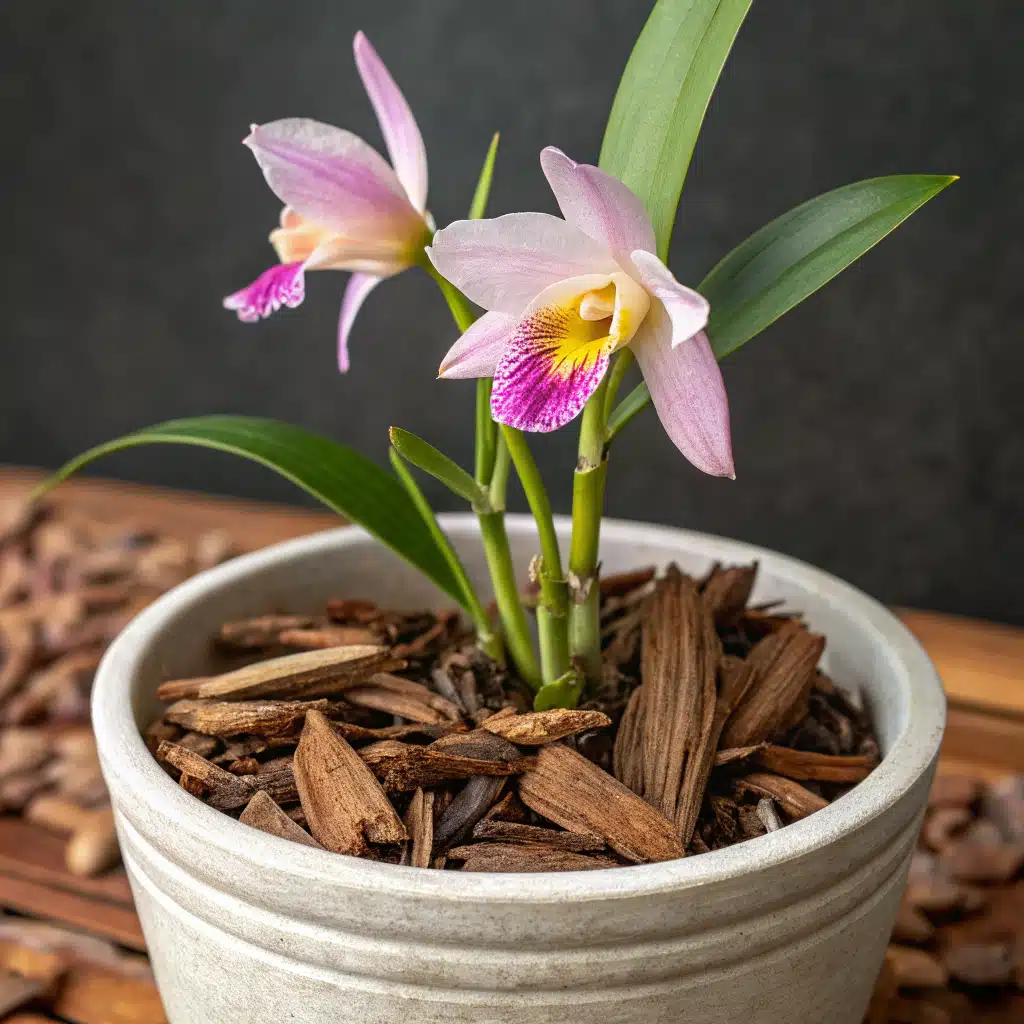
(493, 455)
(506, 596)
(487, 638)
(623, 361)
(486, 433)
(552, 622)
(587, 508)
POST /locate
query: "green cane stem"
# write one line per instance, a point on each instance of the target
(552, 622)
(587, 509)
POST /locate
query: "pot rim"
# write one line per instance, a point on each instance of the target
(129, 765)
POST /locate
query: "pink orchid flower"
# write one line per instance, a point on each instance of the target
(345, 208)
(563, 295)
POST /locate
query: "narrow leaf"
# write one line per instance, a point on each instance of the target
(335, 474)
(661, 100)
(483, 186)
(790, 258)
(425, 456)
(799, 252)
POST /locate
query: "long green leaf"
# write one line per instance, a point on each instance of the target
(793, 256)
(789, 259)
(425, 456)
(335, 474)
(661, 100)
(483, 186)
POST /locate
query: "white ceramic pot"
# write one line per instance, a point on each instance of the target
(243, 927)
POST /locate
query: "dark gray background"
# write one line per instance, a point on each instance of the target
(878, 428)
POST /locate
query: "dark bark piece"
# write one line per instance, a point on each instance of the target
(794, 799)
(726, 591)
(470, 804)
(277, 779)
(803, 765)
(417, 730)
(512, 832)
(479, 743)
(236, 718)
(294, 676)
(344, 803)
(523, 858)
(980, 964)
(204, 746)
(539, 727)
(222, 789)
(263, 813)
(402, 768)
(419, 822)
(573, 792)
(784, 663)
(509, 808)
(244, 766)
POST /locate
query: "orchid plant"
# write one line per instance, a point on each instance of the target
(570, 304)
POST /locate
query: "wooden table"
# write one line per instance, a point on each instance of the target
(982, 666)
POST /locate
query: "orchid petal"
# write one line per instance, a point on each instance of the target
(333, 178)
(598, 204)
(553, 361)
(397, 125)
(358, 287)
(504, 262)
(688, 392)
(281, 285)
(297, 238)
(688, 309)
(477, 352)
(382, 257)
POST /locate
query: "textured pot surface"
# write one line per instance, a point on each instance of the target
(245, 927)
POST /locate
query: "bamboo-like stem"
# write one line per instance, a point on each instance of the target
(552, 623)
(587, 509)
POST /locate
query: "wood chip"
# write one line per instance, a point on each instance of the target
(784, 663)
(803, 765)
(726, 591)
(769, 816)
(681, 651)
(470, 804)
(793, 798)
(416, 730)
(954, 791)
(914, 968)
(343, 801)
(518, 857)
(540, 727)
(912, 926)
(306, 675)
(419, 822)
(402, 767)
(263, 631)
(513, 832)
(628, 754)
(328, 636)
(235, 718)
(223, 790)
(263, 813)
(573, 792)
(16, 991)
(980, 964)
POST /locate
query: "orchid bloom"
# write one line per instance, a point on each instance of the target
(563, 295)
(345, 208)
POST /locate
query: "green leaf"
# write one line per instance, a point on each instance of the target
(338, 476)
(483, 186)
(799, 252)
(662, 98)
(789, 259)
(426, 457)
(563, 692)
